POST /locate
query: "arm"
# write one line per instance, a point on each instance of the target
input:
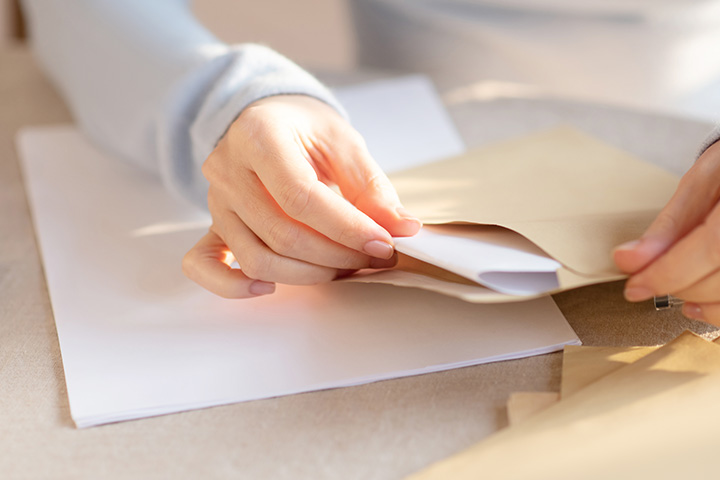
(147, 82)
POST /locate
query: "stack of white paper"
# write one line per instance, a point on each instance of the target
(402, 120)
(138, 339)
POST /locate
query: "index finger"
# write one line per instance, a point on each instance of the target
(294, 185)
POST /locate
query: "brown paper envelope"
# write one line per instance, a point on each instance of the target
(647, 419)
(415, 273)
(523, 405)
(585, 365)
(581, 367)
(573, 196)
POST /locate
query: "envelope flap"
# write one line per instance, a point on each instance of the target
(572, 195)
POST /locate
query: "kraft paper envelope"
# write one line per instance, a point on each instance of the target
(523, 405)
(585, 365)
(573, 196)
(654, 418)
(582, 366)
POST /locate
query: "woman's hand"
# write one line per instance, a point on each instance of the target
(274, 209)
(680, 252)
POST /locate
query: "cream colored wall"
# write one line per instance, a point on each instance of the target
(314, 33)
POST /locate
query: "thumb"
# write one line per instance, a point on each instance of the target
(688, 207)
(631, 257)
(365, 185)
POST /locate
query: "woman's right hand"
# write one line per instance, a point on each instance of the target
(274, 208)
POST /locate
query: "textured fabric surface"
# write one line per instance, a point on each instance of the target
(379, 431)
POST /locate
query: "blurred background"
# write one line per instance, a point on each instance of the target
(314, 33)
(681, 77)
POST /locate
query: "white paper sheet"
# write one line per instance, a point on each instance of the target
(139, 339)
(492, 256)
(402, 120)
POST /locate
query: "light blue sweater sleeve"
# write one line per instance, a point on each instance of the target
(713, 138)
(147, 82)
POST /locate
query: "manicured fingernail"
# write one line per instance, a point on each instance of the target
(383, 262)
(638, 294)
(376, 248)
(628, 245)
(403, 212)
(692, 310)
(258, 287)
(411, 224)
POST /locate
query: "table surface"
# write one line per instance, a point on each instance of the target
(383, 430)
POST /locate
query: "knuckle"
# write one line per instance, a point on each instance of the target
(255, 126)
(348, 139)
(356, 142)
(379, 183)
(282, 237)
(347, 234)
(208, 166)
(317, 276)
(256, 266)
(295, 198)
(358, 151)
(353, 137)
(218, 171)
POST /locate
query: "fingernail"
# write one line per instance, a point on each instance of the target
(628, 245)
(411, 224)
(403, 212)
(638, 294)
(376, 248)
(693, 311)
(383, 262)
(258, 287)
